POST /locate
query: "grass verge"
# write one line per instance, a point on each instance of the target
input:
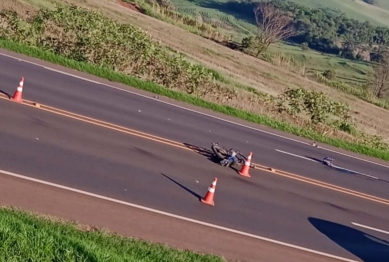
(180, 96)
(27, 237)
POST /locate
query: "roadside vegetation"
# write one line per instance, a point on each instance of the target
(92, 42)
(28, 237)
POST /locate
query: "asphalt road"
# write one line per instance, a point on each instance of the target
(80, 155)
(125, 220)
(129, 110)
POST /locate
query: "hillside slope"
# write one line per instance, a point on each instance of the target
(240, 14)
(240, 70)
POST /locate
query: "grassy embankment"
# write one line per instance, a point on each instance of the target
(196, 17)
(351, 76)
(186, 82)
(27, 237)
(350, 79)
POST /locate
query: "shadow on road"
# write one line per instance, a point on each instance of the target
(365, 246)
(5, 93)
(209, 155)
(203, 151)
(343, 170)
(183, 187)
(383, 180)
(320, 161)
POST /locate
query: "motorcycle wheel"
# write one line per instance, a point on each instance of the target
(219, 152)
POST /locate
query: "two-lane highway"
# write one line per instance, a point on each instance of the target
(69, 152)
(149, 115)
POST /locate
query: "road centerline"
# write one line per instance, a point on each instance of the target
(183, 146)
(187, 109)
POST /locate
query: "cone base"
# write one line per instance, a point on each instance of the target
(244, 174)
(211, 202)
(17, 97)
(17, 100)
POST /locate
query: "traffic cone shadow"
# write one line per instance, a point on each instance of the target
(183, 187)
(5, 93)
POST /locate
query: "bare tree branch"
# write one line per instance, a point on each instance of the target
(273, 25)
(381, 76)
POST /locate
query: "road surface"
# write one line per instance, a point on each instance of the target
(55, 148)
(143, 224)
(149, 115)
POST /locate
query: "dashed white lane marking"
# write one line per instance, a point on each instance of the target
(334, 166)
(291, 154)
(371, 228)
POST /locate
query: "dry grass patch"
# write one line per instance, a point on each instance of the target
(22, 8)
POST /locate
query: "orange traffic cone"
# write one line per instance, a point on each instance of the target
(245, 169)
(18, 93)
(208, 198)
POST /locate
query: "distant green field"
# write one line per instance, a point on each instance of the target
(383, 4)
(351, 72)
(356, 9)
(214, 11)
(240, 19)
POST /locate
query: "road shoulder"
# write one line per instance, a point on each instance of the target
(128, 221)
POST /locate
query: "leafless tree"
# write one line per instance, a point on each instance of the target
(274, 25)
(380, 81)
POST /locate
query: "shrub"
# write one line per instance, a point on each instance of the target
(317, 106)
(88, 36)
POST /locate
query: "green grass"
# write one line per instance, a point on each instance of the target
(210, 10)
(154, 88)
(351, 75)
(384, 4)
(353, 9)
(347, 71)
(25, 237)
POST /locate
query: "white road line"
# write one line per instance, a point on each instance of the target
(194, 111)
(362, 174)
(174, 216)
(71, 75)
(339, 167)
(303, 157)
(371, 228)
